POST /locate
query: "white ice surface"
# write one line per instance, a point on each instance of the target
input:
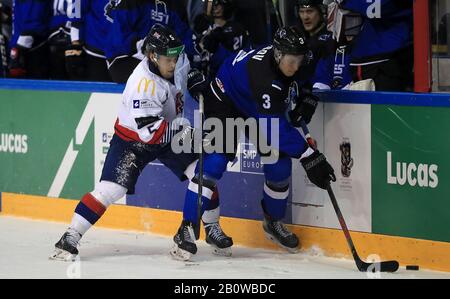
(25, 246)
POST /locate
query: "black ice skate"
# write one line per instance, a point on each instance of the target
(66, 248)
(184, 240)
(219, 241)
(277, 232)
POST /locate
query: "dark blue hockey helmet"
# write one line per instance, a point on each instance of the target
(228, 7)
(310, 3)
(319, 4)
(290, 40)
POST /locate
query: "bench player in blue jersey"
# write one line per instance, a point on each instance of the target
(132, 20)
(256, 85)
(85, 57)
(218, 36)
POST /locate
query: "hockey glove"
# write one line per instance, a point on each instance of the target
(197, 82)
(17, 63)
(201, 24)
(304, 110)
(75, 62)
(212, 40)
(318, 170)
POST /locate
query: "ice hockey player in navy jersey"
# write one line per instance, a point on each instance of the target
(256, 85)
(312, 20)
(132, 21)
(383, 49)
(221, 37)
(41, 36)
(85, 57)
(144, 131)
(29, 49)
(333, 71)
(59, 35)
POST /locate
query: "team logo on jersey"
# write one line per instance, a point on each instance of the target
(136, 104)
(159, 14)
(112, 4)
(293, 93)
(346, 158)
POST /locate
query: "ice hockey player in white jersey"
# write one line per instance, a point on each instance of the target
(143, 132)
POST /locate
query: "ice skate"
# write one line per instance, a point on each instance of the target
(66, 248)
(218, 240)
(184, 246)
(277, 232)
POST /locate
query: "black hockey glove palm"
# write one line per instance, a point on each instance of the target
(75, 62)
(197, 83)
(304, 110)
(319, 171)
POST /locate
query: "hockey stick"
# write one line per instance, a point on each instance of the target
(201, 108)
(388, 266)
(277, 13)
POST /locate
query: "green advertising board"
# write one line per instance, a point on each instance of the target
(36, 128)
(411, 172)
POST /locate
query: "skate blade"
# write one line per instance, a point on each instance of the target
(290, 250)
(180, 254)
(226, 252)
(62, 256)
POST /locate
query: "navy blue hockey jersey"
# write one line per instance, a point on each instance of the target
(384, 34)
(253, 82)
(41, 18)
(133, 19)
(30, 18)
(93, 24)
(333, 71)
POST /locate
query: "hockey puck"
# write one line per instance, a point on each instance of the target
(412, 268)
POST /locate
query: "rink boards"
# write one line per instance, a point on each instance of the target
(389, 152)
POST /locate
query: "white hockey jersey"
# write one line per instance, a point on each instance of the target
(149, 104)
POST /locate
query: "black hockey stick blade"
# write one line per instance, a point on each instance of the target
(387, 266)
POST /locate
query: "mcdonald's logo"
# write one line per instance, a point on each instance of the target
(147, 83)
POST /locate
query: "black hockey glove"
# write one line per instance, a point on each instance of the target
(318, 170)
(197, 83)
(201, 24)
(17, 62)
(75, 62)
(304, 110)
(212, 40)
